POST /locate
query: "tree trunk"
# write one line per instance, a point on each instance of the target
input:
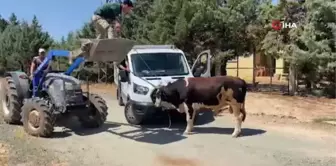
(22, 66)
(292, 88)
(254, 66)
(223, 67)
(217, 68)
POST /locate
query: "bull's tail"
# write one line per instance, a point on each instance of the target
(242, 108)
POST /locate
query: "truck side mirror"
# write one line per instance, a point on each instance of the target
(123, 76)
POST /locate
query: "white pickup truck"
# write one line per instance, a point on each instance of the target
(152, 65)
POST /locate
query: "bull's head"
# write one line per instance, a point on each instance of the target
(157, 97)
(160, 94)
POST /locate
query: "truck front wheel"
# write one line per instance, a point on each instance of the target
(131, 116)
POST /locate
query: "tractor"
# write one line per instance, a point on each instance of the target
(38, 102)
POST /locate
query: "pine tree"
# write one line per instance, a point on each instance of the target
(314, 51)
(3, 24)
(20, 41)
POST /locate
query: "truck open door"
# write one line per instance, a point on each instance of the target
(202, 65)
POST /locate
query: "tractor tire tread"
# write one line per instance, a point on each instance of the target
(46, 129)
(100, 106)
(14, 117)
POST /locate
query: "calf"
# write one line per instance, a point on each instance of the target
(213, 92)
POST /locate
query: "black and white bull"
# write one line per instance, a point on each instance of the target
(214, 92)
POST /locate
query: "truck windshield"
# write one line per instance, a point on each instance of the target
(158, 64)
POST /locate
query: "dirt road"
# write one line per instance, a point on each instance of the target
(266, 141)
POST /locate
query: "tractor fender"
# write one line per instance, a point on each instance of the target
(21, 81)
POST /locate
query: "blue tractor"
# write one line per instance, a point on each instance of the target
(37, 103)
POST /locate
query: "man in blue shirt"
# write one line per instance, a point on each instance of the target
(37, 60)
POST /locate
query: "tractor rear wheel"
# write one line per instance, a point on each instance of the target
(37, 119)
(10, 103)
(97, 112)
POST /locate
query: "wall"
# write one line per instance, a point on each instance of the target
(279, 64)
(247, 62)
(244, 62)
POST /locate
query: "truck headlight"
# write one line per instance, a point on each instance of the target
(139, 89)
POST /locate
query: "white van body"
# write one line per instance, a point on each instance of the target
(136, 92)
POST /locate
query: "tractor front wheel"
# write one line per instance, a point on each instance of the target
(96, 112)
(37, 119)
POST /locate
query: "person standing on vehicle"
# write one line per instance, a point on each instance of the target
(105, 18)
(123, 65)
(37, 60)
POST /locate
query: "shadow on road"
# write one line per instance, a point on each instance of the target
(156, 131)
(204, 117)
(218, 130)
(70, 126)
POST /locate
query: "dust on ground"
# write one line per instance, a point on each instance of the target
(19, 149)
(304, 109)
(4, 154)
(164, 160)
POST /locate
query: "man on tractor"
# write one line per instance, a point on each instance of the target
(105, 18)
(37, 60)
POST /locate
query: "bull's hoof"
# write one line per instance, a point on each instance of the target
(235, 134)
(217, 116)
(187, 133)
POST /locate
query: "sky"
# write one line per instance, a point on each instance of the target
(58, 17)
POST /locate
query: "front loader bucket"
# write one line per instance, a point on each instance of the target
(104, 50)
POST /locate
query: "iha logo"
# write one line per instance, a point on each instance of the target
(278, 25)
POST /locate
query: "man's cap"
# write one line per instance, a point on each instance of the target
(41, 50)
(128, 3)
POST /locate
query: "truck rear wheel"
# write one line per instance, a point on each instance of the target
(96, 112)
(37, 119)
(10, 102)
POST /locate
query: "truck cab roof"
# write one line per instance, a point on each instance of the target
(139, 49)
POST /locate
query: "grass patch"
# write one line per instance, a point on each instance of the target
(19, 133)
